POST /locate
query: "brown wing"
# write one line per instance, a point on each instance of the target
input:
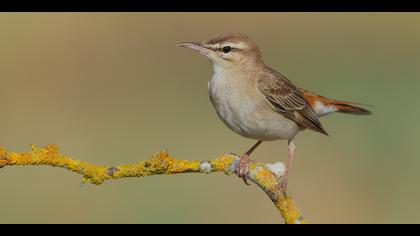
(286, 99)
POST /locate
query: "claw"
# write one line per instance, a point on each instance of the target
(284, 182)
(243, 168)
(246, 181)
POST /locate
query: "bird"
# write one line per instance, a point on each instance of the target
(258, 102)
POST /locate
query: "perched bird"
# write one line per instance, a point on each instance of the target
(258, 102)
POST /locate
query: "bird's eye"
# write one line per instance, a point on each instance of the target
(226, 49)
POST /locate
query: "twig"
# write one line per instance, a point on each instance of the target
(263, 175)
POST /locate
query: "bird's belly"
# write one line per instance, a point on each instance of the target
(247, 117)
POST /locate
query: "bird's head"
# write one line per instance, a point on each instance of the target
(228, 50)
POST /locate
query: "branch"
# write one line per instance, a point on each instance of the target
(263, 175)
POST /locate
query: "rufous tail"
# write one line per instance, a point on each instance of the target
(349, 108)
(324, 106)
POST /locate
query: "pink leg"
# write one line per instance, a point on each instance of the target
(243, 165)
(285, 181)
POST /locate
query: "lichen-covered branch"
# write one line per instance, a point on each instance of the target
(264, 175)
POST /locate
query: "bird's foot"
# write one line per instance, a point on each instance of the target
(283, 181)
(243, 168)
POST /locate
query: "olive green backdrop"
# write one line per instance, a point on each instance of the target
(112, 88)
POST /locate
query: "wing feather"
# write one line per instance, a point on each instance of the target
(286, 99)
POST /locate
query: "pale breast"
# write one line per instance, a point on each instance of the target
(244, 110)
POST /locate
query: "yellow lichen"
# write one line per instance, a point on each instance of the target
(289, 210)
(222, 163)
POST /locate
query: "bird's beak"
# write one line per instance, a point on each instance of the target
(196, 46)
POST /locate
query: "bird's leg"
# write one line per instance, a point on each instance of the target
(285, 180)
(243, 165)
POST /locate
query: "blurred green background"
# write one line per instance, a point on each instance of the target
(112, 88)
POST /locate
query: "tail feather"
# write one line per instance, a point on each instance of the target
(344, 107)
(324, 106)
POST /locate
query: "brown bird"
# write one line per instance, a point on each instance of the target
(258, 102)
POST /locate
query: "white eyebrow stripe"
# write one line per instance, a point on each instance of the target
(238, 45)
(214, 46)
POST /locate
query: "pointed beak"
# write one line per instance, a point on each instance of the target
(196, 46)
